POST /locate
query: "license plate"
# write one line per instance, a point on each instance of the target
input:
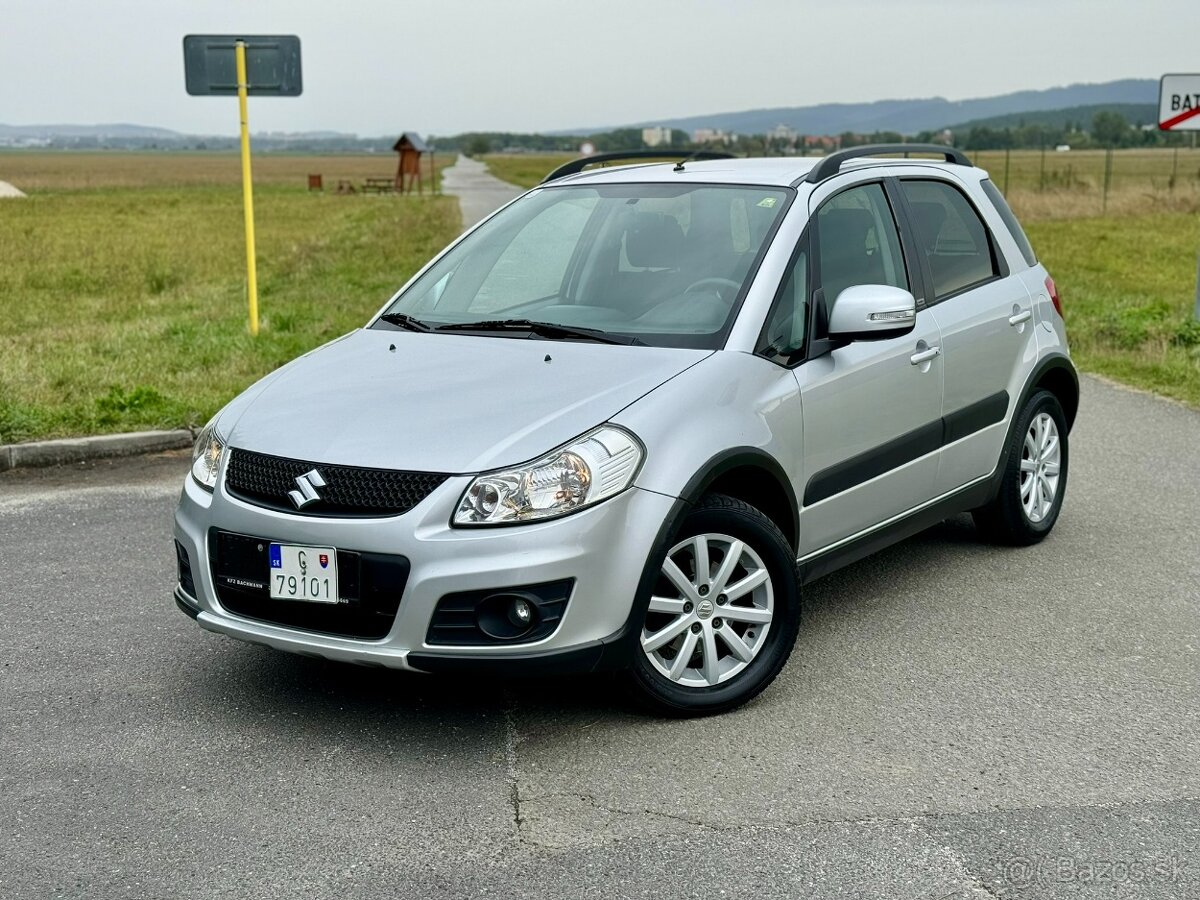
(304, 573)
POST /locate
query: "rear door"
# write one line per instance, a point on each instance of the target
(872, 409)
(984, 314)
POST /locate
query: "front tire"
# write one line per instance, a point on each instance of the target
(723, 613)
(1035, 476)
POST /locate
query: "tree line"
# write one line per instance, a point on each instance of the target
(1106, 129)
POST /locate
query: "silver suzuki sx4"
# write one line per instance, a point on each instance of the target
(620, 423)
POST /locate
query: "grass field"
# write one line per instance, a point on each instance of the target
(1128, 278)
(38, 172)
(122, 279)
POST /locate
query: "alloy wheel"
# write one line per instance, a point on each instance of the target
(1041, 465)
(710, 612)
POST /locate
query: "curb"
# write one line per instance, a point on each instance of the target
(105, 446)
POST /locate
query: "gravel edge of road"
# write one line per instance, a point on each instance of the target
(38, 454)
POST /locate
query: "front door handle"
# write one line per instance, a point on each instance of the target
(925, 356)
(1020, 318)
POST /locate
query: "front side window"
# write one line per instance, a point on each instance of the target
(662, 263)
(858, 242)
(951, 236)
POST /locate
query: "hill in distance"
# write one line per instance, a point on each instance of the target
(114, 130)
(913, 116)
(1081, 116)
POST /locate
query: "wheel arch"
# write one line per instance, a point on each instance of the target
(1057, 375)
(753, 476)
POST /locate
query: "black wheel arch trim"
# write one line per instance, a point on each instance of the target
(1041, 370)
(740, 457)
(1034, 383)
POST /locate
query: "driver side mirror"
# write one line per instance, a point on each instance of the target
(872, 312)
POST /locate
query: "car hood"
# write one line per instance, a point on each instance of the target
(442, 402)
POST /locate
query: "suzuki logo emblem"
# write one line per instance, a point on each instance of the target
(307, 493)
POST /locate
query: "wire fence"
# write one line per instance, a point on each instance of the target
(1097, 181)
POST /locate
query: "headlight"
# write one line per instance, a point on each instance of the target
(580, 474)
(206, 455)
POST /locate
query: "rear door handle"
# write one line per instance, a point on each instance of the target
(1024, 316)
(925, 356)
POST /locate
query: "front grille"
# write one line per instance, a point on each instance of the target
(348, 491)
(370, 586)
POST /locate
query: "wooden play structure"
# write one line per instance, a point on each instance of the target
(410, 147)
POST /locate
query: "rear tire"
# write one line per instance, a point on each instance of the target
(1035, 477)
(723, 613)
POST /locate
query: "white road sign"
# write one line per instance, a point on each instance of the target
(1179, 103)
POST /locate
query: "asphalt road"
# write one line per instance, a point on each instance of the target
(957, 721)
(479, 192)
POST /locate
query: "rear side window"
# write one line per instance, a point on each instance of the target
(951, 236)
(1010, 222)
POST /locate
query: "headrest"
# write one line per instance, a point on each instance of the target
(654, 241)
(845, 230)
(930, 218)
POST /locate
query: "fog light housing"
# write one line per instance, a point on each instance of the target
(507, 615)
(520, 612)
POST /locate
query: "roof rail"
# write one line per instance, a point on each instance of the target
(575, 166)
(832, 164)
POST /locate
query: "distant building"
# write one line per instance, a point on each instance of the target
(821, 142)
(712, 136)
(784, 133)
(653, 137)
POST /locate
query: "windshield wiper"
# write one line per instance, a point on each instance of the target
(400, 320)
(547, 330)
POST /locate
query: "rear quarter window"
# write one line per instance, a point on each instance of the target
(1010, 221)
(950, 233)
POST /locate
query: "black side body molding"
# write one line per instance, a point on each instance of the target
(904, 449)
(964, 500)
(873, 463)
(977, 416)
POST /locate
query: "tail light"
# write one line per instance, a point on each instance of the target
(1053, 291)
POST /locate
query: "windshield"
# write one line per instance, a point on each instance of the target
(665, 264)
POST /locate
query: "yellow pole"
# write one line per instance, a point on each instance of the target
(247, 191)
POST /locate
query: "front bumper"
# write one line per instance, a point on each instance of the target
(604, 549)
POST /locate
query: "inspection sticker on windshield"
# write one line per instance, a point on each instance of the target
(304, 573)
(767, 202)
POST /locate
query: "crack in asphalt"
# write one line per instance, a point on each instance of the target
(511, 739)
(919, 819)
(958, 863)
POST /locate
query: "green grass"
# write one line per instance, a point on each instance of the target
(124, 308)
(124, 299)
(526, 169)
(1128, 291)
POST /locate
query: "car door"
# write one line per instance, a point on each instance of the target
(871, 409)
(986, 321)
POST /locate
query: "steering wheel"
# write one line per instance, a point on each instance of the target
(713, 282)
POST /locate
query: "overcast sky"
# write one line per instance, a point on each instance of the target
(442, 66)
